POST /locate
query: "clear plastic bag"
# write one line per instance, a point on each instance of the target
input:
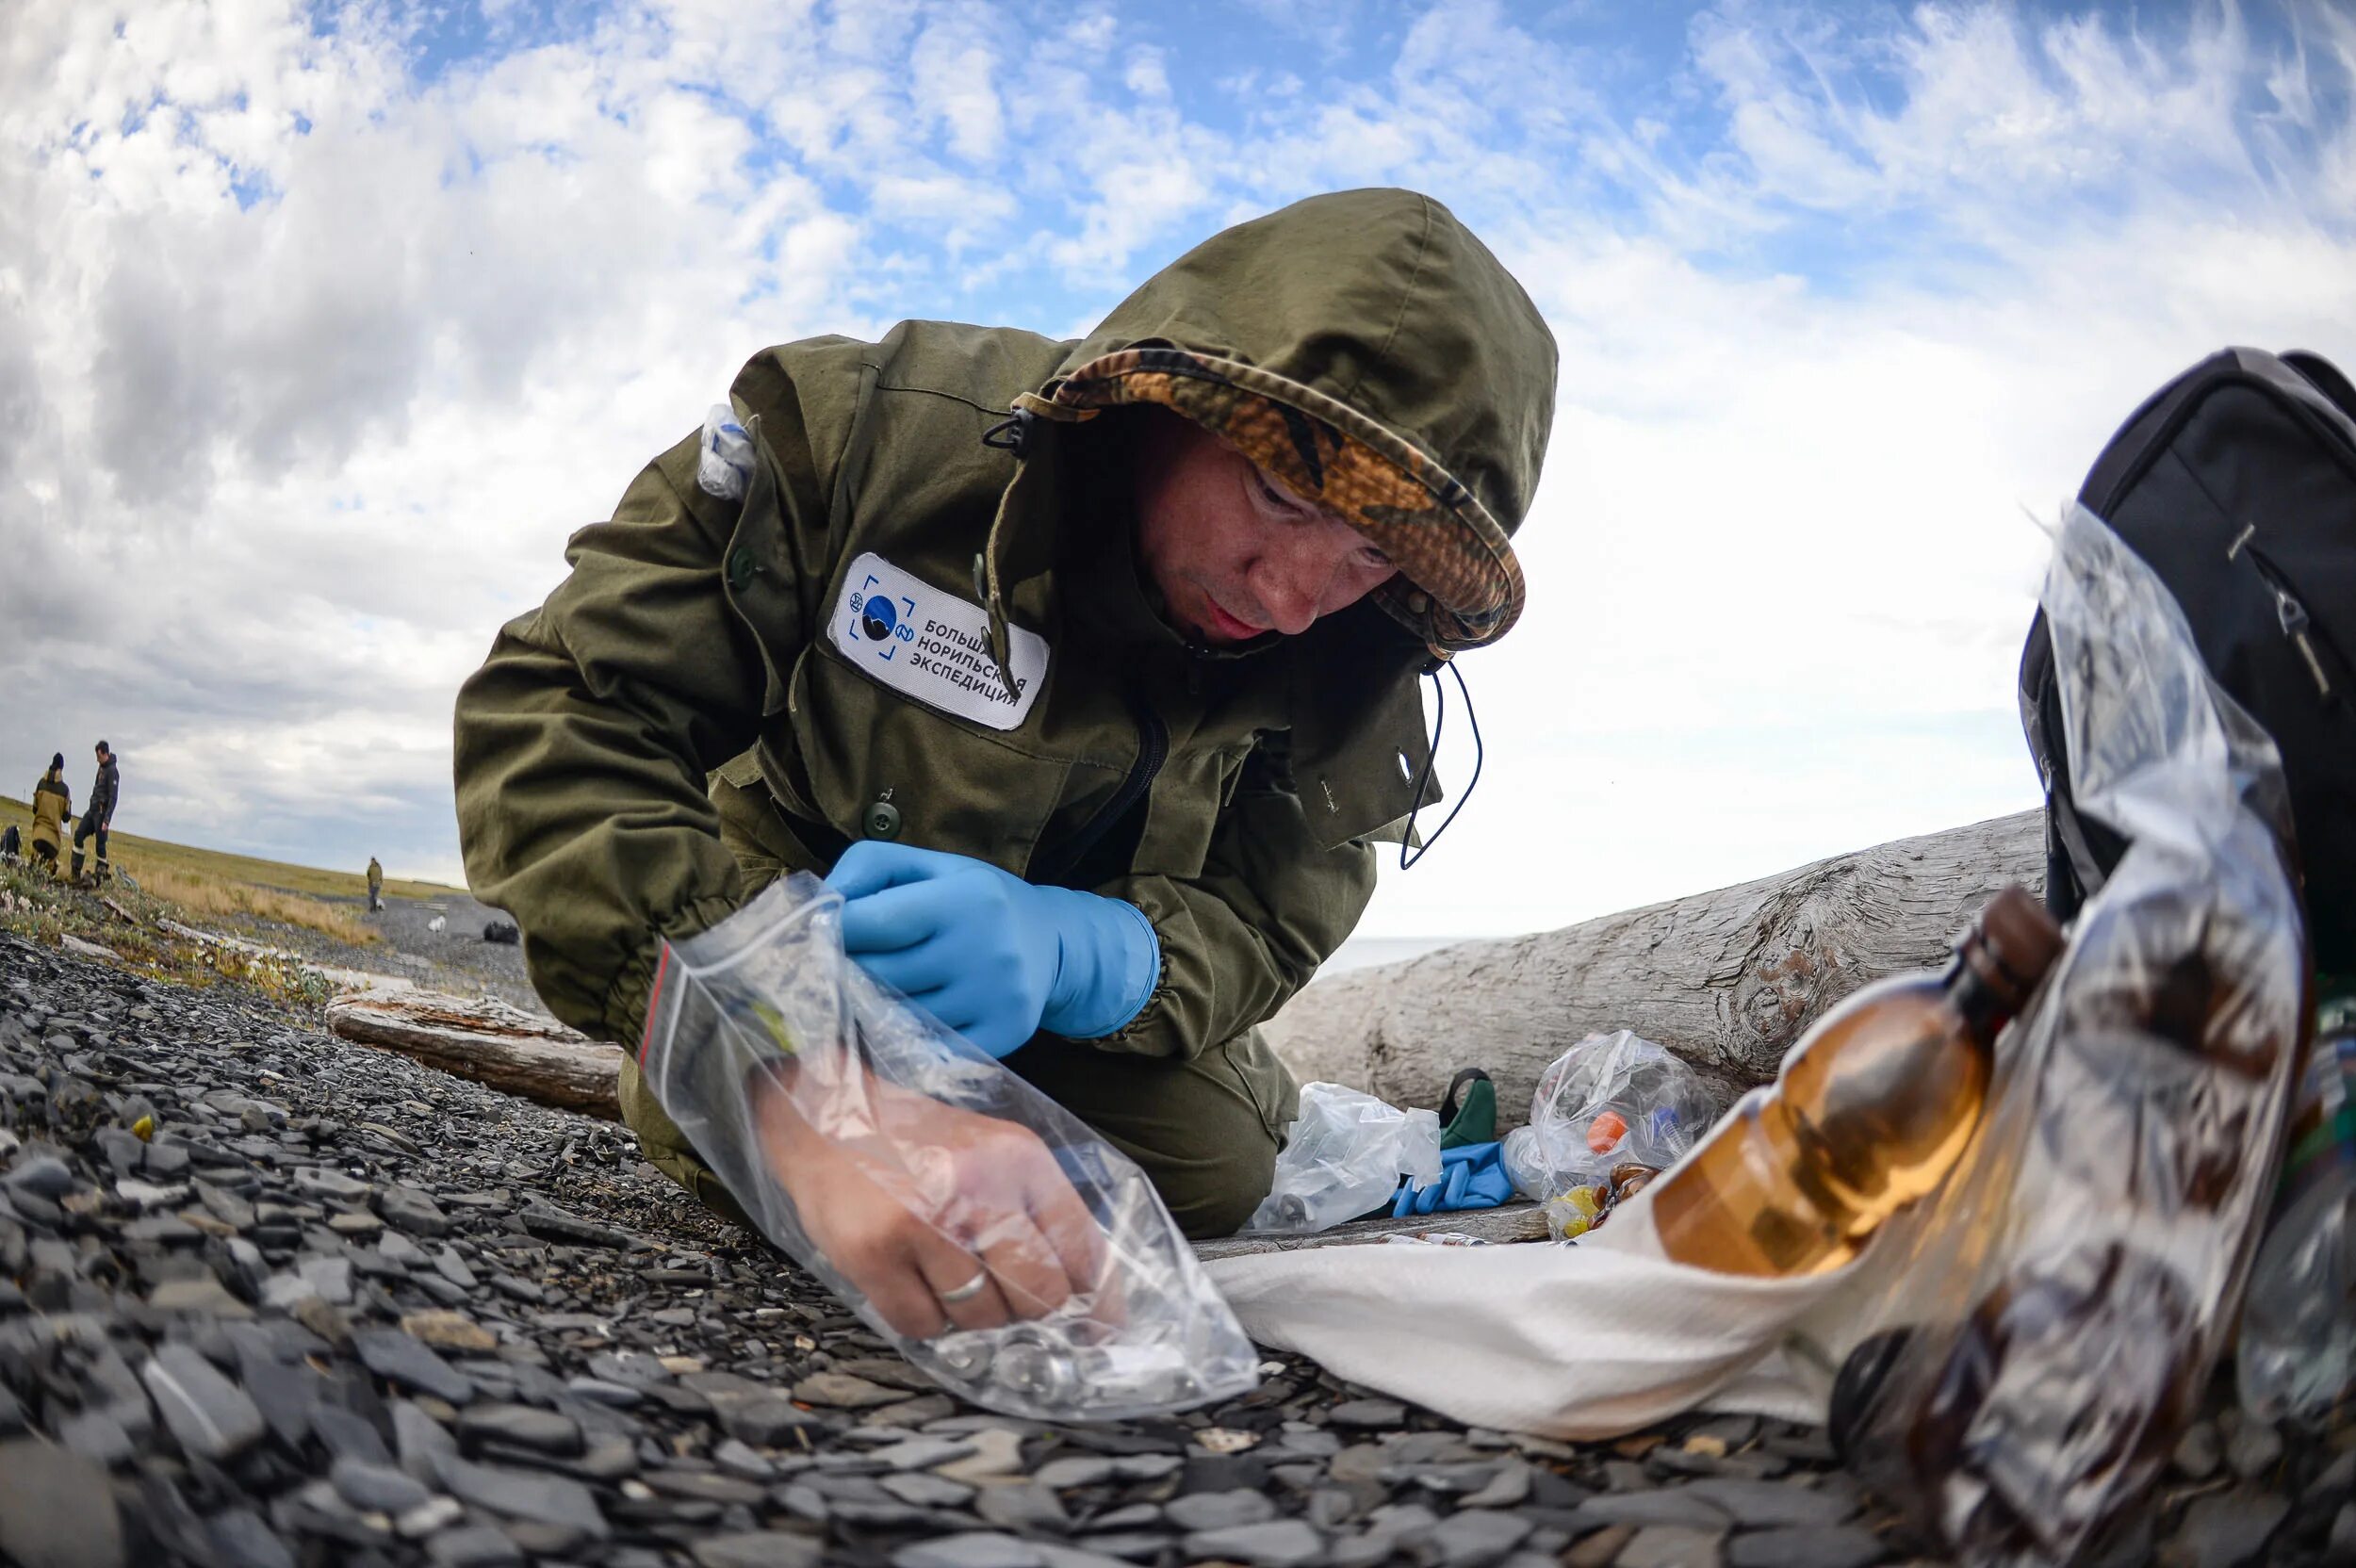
(1344, 1156)
(2049, 1322)
(1608, 1114)
(725, 462)
(785, 1065)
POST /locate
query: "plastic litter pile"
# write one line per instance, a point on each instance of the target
(1611, 1114)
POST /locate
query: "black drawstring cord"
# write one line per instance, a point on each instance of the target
(1439, 727)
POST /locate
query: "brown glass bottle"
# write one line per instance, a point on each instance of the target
(1868, 1112)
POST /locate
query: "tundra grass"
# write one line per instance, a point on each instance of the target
(145, 855)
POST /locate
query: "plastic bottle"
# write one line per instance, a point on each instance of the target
(2298, 1350)
(1868, 1112)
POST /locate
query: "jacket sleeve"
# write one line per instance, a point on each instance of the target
(1240, 939)
(582, 743)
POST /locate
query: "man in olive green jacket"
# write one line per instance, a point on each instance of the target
(1140, 615)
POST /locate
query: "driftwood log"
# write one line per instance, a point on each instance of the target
(488, 1041)
(1726, 980)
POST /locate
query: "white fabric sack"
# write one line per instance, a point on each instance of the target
(1578, 1343)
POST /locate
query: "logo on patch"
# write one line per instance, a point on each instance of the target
(886, 614)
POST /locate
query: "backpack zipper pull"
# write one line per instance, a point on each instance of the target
(2294, 623)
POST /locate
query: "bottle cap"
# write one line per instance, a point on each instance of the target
(2012, 944)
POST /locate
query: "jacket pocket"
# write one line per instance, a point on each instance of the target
(1183, 811)
(951, 786)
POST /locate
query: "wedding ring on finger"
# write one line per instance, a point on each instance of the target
(965, 1292)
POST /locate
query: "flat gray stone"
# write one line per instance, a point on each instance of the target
(544, 1431)
(1670, 1546)
(57, 1508)
(2197, 1453)
(208, 1414)
(1675, 1506)
(473, 1546)
(973, 1549)
(758, 1549)
(1213, 1511)
(203, 1294)
(1766, 1505)
(922, 1453)
(918, 1490)
(526, 1494)
(738, 1459)
(1840, 1546)
(1277, 1544)
(398, 1359)
(2225, 1528)
(241, 1536)
(1023, 1506)
(1366, 1413)
(376, 1488)
(2254, 1449)
(1480, 1537)
(843, 1391)
(1074, 1471)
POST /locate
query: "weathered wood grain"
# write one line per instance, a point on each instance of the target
(1728, 980)
(488, 1041)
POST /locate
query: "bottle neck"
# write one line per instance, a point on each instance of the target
(1986, 1002)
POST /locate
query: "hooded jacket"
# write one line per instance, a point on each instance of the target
(922, 621)
(53, 802)
(105, 792)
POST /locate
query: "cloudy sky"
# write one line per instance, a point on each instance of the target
(320, 327)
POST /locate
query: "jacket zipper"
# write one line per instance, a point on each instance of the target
(2298, 625)
(1152, 750)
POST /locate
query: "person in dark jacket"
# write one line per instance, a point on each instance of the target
(99, 815)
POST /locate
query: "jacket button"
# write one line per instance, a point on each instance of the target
(883, 819)
(741, 567)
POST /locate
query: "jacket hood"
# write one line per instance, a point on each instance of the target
(1366, 350)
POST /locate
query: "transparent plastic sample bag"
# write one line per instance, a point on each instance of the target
(792, 1071)
(1343, 1157)
(2049, 1322)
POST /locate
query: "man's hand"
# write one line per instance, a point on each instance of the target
(942, 1218)
(987, 954)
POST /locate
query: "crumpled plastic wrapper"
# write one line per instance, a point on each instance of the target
(1608, 1114)
(1343, 1157)
(763, 1022)
(2052, 1319)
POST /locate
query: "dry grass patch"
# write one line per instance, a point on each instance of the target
(148, 854)
(202, 894)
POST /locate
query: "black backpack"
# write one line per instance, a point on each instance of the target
(2237, 482)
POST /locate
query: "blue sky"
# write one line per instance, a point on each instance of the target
(322, 326)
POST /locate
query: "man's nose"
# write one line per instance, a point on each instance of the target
(1290, 593)
(1293, 585)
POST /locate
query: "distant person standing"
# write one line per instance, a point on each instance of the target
(99, 815)
(53, 802)
(376, 886)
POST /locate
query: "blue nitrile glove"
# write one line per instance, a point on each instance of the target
(1472, 1177)
(987, 954)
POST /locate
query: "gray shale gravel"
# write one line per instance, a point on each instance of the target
(345, 1308)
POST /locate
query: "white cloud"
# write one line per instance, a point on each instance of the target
(307, 369)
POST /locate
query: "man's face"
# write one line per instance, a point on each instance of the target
(1232, 552)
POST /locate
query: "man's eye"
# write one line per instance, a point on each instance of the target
(1278, 499)
(1374, 559)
